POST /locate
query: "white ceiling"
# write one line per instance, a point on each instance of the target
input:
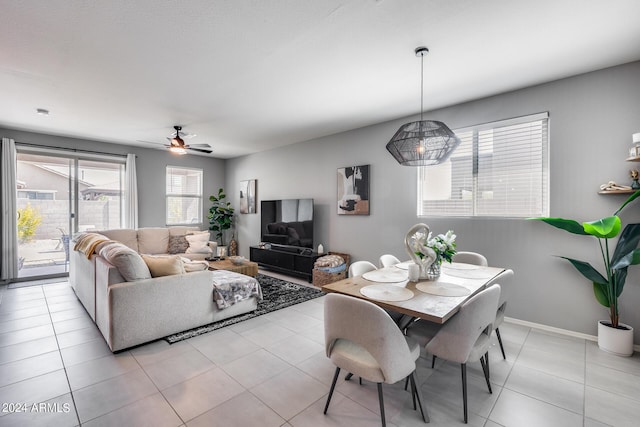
(250, 75)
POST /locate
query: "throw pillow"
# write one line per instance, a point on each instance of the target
(164, 265)
(128, 262)
(178, 244)
(193, 265)
(198, 243)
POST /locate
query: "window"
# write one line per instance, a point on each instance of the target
(184, 196)
(500, 169)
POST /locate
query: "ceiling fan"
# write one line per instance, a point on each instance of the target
(178, 146)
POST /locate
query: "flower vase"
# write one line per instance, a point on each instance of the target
(433, 271)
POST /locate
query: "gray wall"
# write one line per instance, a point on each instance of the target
(592, 117)
(150, 167)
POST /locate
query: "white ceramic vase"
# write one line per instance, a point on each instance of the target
(614, 340)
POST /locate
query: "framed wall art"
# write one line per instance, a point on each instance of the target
(353, 190)
(248, 196)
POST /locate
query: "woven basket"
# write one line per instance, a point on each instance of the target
(321, 278)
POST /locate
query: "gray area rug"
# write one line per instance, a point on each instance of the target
(277, 294)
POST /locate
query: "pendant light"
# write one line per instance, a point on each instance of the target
(423, 143)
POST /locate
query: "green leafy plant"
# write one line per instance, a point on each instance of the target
(220, 215)
(29, 219)
(606, 287)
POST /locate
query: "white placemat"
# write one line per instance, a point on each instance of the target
(469, 274)
(459, 266)
(386, 292)
(386, 275)
(443, 289)
(404, 265)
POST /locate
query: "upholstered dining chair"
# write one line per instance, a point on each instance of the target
(470, 258)
(387, 260)
(361, 338)
(358, 268)
(502, 306)
(479, 259)
(465, 337)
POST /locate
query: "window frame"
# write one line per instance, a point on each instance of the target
(182, 196)
(449, 205)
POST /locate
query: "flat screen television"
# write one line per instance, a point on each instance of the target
(287, 222)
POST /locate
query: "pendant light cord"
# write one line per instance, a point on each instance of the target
(421, 84)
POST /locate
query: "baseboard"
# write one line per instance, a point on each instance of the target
(559, 331)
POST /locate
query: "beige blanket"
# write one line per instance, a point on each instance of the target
(88, 241)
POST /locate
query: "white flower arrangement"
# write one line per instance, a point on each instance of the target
(444, 245)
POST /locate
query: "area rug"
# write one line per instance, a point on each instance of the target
(276, 293)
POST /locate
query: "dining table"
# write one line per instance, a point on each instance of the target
(432, 300)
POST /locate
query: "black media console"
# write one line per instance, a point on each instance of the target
(286, 259)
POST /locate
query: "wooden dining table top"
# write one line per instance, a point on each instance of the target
(428, 306)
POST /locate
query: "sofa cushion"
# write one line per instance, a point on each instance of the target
(164, 265)
(128, 262)
(178, 244)
(198, 243)
(153, 240)
(126, 236)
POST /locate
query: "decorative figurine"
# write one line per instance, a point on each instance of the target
(634, 177)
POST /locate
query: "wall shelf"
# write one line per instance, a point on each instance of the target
(633, 159)
(617, 192)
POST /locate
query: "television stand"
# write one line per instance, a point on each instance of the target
(286, 259)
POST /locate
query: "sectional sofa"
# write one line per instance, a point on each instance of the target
(141, 309)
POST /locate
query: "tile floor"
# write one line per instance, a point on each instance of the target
(55, 369)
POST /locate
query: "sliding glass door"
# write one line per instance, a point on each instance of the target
(58, 195)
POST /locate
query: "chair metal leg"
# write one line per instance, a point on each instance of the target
(485, 371)
(406, 383)
(500, 342)
(360, 380)
(433, 361)
(463, 368)
(348, 376)
(380, 398)
(333, 386)
(416, 395)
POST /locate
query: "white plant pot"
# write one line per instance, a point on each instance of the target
(615, 341)
(222, 251)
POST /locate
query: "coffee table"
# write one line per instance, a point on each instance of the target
(248, 268)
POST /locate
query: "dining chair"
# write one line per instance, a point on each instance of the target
(479, 259)
(502, 306)
(470, 258)
(387, 260)
(361, 338)
(465, 337)
(358, 268)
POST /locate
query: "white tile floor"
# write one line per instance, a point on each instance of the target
(271, 371)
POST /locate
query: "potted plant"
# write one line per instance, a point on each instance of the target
(220, 216)
(613, 336)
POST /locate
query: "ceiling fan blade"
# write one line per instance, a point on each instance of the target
(199, 145)
(200, 150)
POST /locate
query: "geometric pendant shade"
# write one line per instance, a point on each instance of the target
(426, 142)
(423, 143)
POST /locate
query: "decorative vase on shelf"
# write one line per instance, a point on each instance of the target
(233, 246)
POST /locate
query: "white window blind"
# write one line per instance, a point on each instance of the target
(500, 169)
(184, 196)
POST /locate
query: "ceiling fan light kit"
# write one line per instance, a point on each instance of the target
(426, 142)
